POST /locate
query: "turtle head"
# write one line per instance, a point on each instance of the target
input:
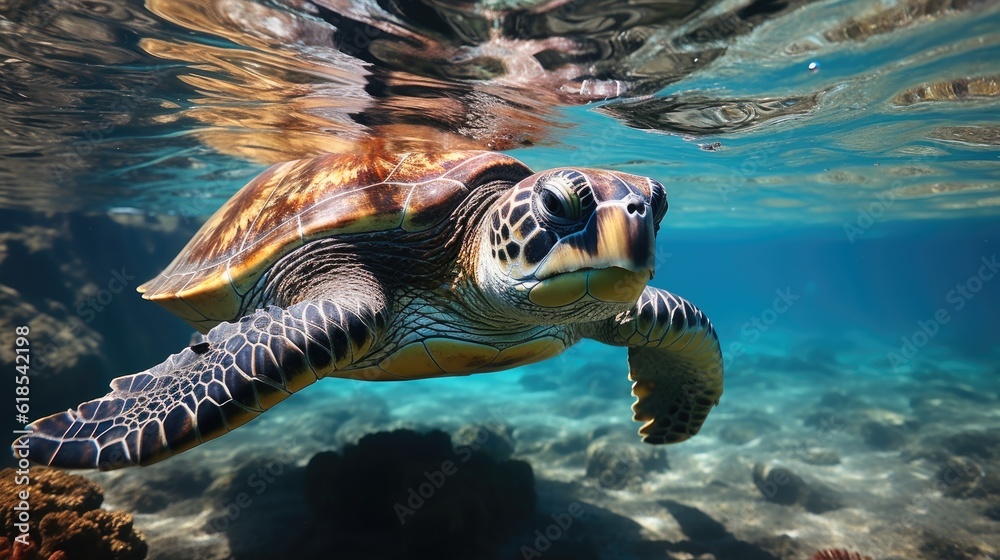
(571, 245)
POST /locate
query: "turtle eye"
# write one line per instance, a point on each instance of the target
(555, 203)
(657, 200)
(558, 201)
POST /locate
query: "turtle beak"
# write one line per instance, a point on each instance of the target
(620, 234)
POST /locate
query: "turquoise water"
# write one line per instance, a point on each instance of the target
(834, 183)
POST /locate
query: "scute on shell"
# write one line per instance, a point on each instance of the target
(293, 203)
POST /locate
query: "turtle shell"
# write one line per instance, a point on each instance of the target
(294, 203)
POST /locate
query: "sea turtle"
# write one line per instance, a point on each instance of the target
(394, 267)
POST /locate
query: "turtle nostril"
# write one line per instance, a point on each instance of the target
(636, 208)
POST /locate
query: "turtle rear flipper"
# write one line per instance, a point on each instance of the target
(240, 371)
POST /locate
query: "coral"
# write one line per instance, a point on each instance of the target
(65, 520)
(50, 491)
(402, 494)
(838, 554)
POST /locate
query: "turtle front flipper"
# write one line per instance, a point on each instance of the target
(203, 392)
(674, 360)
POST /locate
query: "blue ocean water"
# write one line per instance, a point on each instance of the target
(833, 176)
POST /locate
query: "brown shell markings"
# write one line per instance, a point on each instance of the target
(300, 201)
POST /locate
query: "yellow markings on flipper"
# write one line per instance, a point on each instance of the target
(616, 285)
(526, 353)
(700, 339)
(295, 382)
(690, 339)
(459, 356)
(411, 361)
(659, 330)
(561, 290)
(235, 415)
(642, 389)
(637, 339)
(373, 373)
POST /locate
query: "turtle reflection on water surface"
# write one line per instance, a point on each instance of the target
(394, 267)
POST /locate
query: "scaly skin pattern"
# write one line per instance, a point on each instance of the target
(520, 268)
(202, 392)
(430, 338)
(674, 361)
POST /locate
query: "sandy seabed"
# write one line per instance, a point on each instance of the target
(802, 454)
